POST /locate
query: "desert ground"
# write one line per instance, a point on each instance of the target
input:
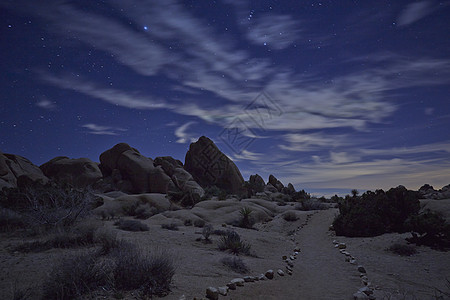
(320, 270)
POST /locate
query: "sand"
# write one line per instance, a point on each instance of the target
(320, 270)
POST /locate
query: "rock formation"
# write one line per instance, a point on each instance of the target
(13, 167)
(209, 167)
(79, 172)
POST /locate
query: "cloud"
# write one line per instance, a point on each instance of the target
(247, 156)
(414, 12)
(183, 136)
(274, 31)
(46, 104)
(103, 130)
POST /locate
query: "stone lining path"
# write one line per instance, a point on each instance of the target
(320, 271)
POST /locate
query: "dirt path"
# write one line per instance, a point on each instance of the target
(320, 271)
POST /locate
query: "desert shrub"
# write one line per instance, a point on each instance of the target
(311, 204)
(131, 225)
(185, 198)
(402, 249)
(199, 223)
(75, 276)
(62, 237)
(10, 220)
(219, 232)
(290, 216)
(108, 241)
(207, 230)
(235, 263)
(150, 272)
(187, 222)
(375, 213)
(300, 195)
(246, 221)
(232, 242)
(51, 205)
(214, 191)
(170, 226)
(429, 228)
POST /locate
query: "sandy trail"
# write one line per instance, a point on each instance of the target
(320, 271)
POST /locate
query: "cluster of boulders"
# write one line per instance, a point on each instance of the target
(123, 168)
(428, 192)
(365, 292)
(213, 293)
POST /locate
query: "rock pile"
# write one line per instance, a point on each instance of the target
(428, 192)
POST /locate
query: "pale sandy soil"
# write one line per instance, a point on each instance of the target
(320, 271)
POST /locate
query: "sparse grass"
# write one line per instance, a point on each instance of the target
(125, 268)
(403, 250)
(76, 276)
(131, 225)
(232, 242)
(235, 263)
(311, 204)
(62, 237)
(170, 226)
(150, 272)
(199, 223)
(290, 216)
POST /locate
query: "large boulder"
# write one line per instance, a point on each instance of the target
(142, 173)
(168, 163)
(257, 183)
(79, 172)
(109, 158)
(275, 182)
(128, 170)
(14, 166)
(209, 167)
(184, 188)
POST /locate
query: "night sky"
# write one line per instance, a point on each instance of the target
(328, 95)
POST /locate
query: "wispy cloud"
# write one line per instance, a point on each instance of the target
(103, 130)
(183, 136)
(415, 11)
(274, 31)
(46, 104)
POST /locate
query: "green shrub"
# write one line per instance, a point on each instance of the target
(429, 228)
(131, 225)
(375, 213)
(236, 264)
(232, 242)
(403, 250)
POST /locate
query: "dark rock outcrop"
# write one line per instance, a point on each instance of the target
(79, 172)
(131, 171)
(13, 167)
(257, 183)
(168, 163)
(209, 167)
(275, 182)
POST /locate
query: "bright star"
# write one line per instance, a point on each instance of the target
(145, 28)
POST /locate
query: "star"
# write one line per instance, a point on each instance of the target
(145, 28)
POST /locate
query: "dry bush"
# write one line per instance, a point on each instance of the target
(199, 223)
(235, 263)
(403, 250)
(170, 226)
(75, 276)
(10, 220)
(131, 225)
(207, 230)
(150, 272)
(290, 216)
(311, 204)
(50, 205)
